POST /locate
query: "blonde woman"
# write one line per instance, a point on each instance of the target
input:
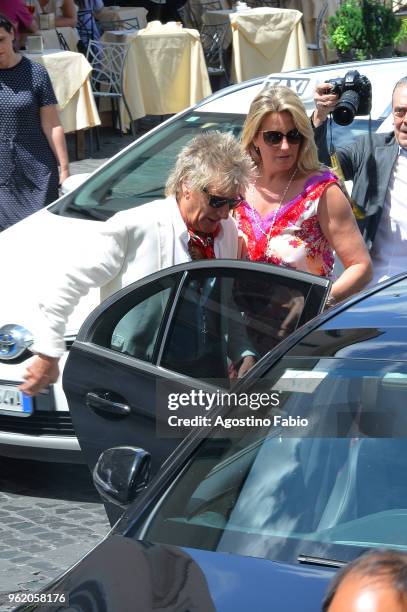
(295, 214)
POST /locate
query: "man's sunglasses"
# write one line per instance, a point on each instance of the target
(271, 137)
(219, 201)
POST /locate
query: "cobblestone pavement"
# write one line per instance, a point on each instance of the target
(50, 516)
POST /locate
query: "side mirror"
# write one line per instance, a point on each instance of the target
(121, 473)
(73, 181)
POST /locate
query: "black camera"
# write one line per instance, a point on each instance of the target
(355, 97)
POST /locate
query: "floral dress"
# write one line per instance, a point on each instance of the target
(292, 237)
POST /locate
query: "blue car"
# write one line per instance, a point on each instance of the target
(259, 507)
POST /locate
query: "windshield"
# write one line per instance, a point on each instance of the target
(327, 490)
(140, 173)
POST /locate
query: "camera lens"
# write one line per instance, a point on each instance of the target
(346, 109)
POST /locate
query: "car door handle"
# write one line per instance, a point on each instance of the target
(102, 402)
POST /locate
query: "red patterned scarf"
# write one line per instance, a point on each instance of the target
(201, 245)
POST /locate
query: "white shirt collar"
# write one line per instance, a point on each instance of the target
(402, 151)
(178, 223)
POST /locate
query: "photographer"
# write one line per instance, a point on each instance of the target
(377, 164)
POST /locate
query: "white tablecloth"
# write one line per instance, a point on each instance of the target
(165, 70)
(50, 38)
(69, 73)
(265, 40)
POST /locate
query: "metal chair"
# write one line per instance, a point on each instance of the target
(85, 26)
(120, 24)
(107, 61)
(399, 6)
(187, 17)
(199, 8)
(62, 41)
(318, 45)
(212, 39)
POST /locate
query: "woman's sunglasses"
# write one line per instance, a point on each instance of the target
(272, 138)
(219, 201)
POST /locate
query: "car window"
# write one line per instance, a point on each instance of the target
(132, 325)
(140, 174)
(325, 489)
(224, 316)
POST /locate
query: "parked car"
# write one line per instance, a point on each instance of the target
(254, 517)
(41, 428)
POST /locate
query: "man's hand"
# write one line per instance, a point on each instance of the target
(247, 363)
(325, 103)
(41, 372)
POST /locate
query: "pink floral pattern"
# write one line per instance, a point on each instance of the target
(295, 239)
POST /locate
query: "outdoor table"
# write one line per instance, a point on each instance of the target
(120, 13)
(69, 73)
(264, 40)
(165, 70)
(50, 38)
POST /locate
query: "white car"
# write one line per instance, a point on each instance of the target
(41, 428)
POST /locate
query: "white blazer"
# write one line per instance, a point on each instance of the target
(111, 255)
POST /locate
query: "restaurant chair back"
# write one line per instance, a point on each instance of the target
(212, 39)
(187, 17)
(62, 41)
(199, 8)
(86, 28)
(318, 44)
(120, 24)
(399, 6)
(108, 61)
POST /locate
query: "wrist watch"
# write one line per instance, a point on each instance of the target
(331, 301)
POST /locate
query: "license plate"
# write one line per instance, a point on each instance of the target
(12, 401)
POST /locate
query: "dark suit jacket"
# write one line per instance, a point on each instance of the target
(368, 162)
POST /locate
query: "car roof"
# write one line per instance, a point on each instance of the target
(372, 325)
(383, 75)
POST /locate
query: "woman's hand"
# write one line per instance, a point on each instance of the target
(54, 132)
(63, 175)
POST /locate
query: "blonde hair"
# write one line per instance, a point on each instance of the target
(277, 99)
(211, 158)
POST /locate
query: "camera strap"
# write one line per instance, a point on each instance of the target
(337, 169)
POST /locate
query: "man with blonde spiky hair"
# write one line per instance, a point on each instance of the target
(193, 222)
